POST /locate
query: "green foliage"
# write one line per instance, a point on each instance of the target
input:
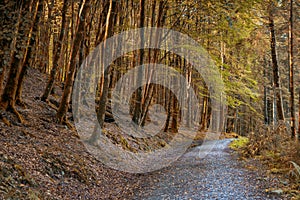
(239, 143)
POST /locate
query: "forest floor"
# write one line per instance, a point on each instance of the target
(43, 160)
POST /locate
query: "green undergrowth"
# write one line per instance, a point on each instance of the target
(239, 143)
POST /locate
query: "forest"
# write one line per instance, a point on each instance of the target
(149, 99)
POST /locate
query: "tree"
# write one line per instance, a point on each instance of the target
(7, 20)
(108, 33)
(139, 95)
(65, 100)
(23, 31)
(65, 32)
(57, 53)
(28, 53)
(291, 71)
(299, 120)
(276, 76)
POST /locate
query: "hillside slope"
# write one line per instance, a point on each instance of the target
(43, 160)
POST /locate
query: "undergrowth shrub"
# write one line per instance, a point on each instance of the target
(275, 147)
(271, 141)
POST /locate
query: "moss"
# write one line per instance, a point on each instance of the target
(33, 195)
(272, 154)
(124, 142)
(241, 142)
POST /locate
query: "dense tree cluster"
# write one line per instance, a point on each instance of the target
(254, 44)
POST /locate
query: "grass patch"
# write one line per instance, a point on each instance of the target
(239, 143)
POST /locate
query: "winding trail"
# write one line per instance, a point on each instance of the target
(220, 175)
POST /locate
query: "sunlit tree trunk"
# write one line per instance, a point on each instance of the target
(57, 53)
(65, 100)
(108, 33)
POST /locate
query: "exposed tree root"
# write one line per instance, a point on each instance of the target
(14, 111)
(68, 124)
(6, 121)
(21, 103)
(52, 105)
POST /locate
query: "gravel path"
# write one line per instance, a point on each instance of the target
(217, 176)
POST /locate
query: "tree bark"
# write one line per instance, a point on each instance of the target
(204, 112)
(8, 97)
(277, 84)
(169, 110)
(291, 73)
(28, 53)
(104, 94)
(299, 118)
(138, 101)
(64, 104)
(6, 22)
(175, 115)
(57, 53)
(150, 87)
(266, 108)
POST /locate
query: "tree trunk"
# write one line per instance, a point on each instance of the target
(6, 21)
(169, 110)
(204, 112)
(28, 53)
(175, 115)
(138, 101)
(150, 87)
(64, 104)
(108, 33)
(8, 97)
(291, 74)
(57, 53)
(104, 93)
(266, 107)
(299, 118)
(277, 86)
